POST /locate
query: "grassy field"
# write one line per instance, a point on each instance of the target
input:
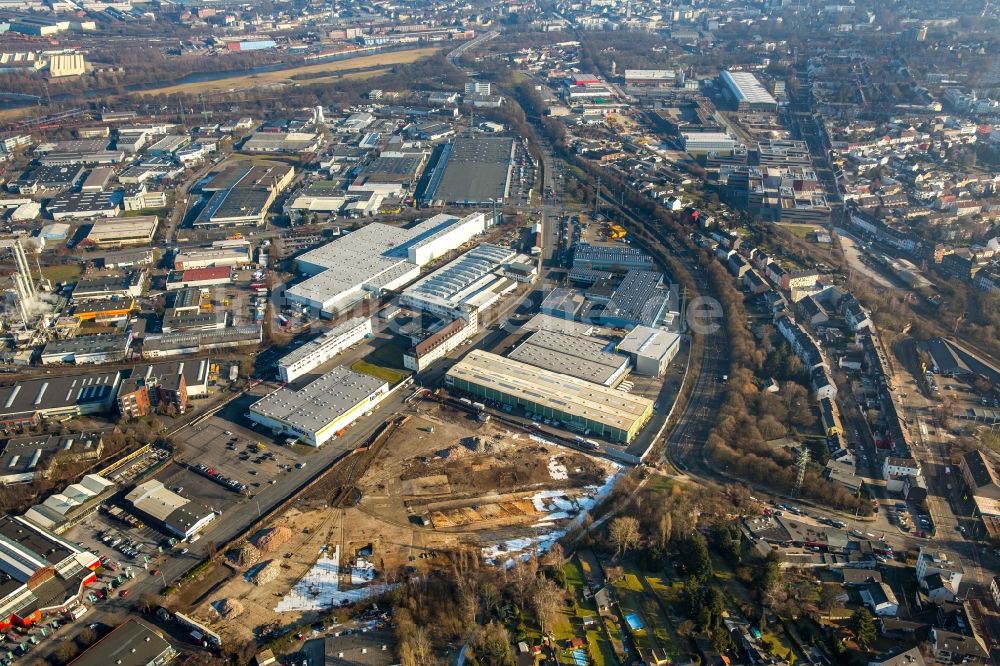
(800, 230)
(284, 76)
(62, 272)
(390, 375)
(349, 76)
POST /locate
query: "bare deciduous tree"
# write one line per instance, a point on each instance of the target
(624, 534)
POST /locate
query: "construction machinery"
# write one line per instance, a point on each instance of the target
(614, 231)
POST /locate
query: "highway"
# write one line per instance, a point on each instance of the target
(457, 52)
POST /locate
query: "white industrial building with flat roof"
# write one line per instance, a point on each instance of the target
(707, 142)
(576, 403)
(231, 253)
(472, 282)
(317, 412)
(121, 231)
(177, 514)
(651, 349)
(749, 93)
(316, 352)
(582, 357)
(376, 258)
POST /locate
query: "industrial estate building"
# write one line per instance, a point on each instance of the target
(472, 282)
(175, 344)
(83, 205)
(747, 90)
(176, 514)
(232, 253)
(242, 194)
(610, 257)
(376, 258)
(199, 277)
(23, 459)
(651, 349)
(316, 352)
(24, 404)
(43, 574)
(471, 171)
(316, 413)
(60, 511)
(103, 348)
(582, 357)
(282, 142)
(122, 231)
(132, 643)
(576, 403)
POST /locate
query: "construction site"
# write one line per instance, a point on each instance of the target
(431, 479)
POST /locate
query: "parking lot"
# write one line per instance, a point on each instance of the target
(121, 547)
(232, 446)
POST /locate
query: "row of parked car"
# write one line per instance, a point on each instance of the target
(218, 477)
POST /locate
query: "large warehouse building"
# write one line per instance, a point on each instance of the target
(747, 90)
(25, 403)
(42, 573)
(376, 258)
(122, 231)
(472, 171)
(577, 356)
(316, 352)
(473, 281)
(242, 194)
(319, 411)
(605, 412)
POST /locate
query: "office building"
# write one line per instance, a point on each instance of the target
(707, 142)
(435, 342)
(320, 350)
(164, 387)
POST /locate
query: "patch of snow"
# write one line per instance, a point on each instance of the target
(557, 506)
(557, 470)
(319, 588)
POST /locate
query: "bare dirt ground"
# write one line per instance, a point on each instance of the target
(441, 479)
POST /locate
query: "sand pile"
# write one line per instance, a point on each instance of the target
(246, 555)
(266, 573)
(272, 539)
(230, 608)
